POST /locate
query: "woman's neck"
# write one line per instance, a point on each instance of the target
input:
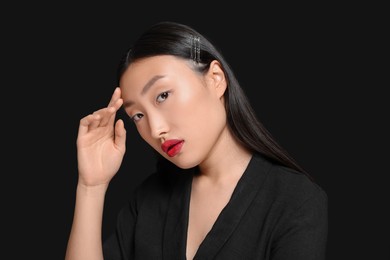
(227, 160)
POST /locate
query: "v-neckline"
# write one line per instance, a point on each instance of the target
(177, 220)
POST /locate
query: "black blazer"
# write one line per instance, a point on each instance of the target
(274, 213)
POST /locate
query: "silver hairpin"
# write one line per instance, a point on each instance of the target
(195, 48)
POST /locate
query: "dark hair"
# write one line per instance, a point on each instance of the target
(171, 38)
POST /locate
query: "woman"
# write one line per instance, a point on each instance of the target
(223, 189)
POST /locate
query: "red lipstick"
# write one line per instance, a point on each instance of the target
(172, 147)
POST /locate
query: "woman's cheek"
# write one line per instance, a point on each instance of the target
(143, 132)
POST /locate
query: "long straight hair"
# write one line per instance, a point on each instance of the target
(172, 38)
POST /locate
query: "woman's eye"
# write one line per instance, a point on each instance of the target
(161, 98)
(137, 117)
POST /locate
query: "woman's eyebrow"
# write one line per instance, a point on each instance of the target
(145, 89)
(150, 83)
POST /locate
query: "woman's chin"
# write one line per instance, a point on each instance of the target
(182, 163)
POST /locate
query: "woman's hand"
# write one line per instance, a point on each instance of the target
(101, 144)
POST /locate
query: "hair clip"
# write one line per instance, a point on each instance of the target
(195, 48)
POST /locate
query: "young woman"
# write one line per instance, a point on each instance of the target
(223, 189)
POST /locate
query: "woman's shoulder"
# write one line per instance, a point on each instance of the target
(290, 186)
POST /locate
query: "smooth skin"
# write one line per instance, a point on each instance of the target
(178, 103)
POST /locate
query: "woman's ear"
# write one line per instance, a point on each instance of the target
(217, 78)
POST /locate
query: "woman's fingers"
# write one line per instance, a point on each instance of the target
(95, 122)
(97, 119)
(102, 117)
(115, 96)
(113, 106)
(86, 122)
(120, 134)
(110, 112)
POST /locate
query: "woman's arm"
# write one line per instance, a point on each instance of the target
(100, 150)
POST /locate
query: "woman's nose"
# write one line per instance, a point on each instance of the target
(158, 126)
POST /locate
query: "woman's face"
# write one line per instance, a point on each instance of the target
(176, 110)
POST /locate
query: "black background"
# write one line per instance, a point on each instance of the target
(308, 70)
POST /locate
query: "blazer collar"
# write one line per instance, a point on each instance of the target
(175, 233)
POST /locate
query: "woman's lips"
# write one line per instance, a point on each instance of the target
(172, 147)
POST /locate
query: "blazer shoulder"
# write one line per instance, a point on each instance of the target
(294, 187)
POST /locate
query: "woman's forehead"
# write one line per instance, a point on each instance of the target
(159, 62)
(144, 69)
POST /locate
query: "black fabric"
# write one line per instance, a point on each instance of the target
(274, 213)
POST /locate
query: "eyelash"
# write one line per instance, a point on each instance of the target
(164, 94)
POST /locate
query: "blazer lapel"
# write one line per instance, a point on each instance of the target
(175, 231)
(244, 193)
